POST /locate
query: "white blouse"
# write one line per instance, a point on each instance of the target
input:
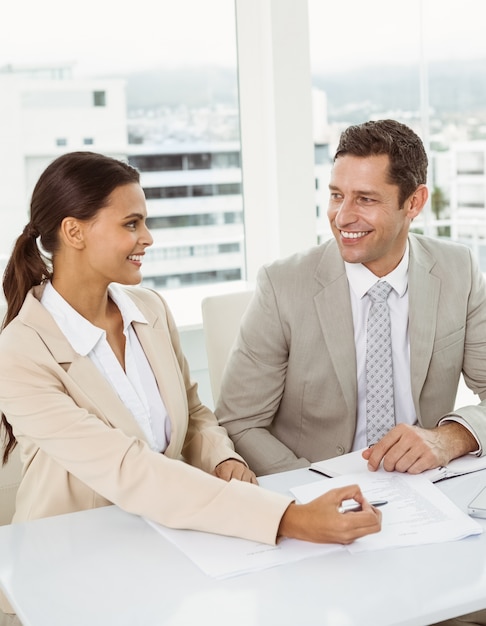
(136, 387)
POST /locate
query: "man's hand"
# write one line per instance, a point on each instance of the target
(413, 449)
(231, 468)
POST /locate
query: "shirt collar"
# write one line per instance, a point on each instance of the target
(361, 279)
(82, 334)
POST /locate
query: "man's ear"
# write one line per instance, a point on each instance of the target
(72, 232)
(417, 201)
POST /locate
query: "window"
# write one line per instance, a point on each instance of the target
(425, 69)
(99, 98)
(168, 103)
(157, 162)
(198, 161)
(222, 160)
(471, 196)
(470, 163)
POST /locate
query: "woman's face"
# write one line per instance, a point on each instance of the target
(116, 238)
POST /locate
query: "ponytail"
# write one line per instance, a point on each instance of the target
(25, 268)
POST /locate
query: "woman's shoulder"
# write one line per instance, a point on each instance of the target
(147, 300)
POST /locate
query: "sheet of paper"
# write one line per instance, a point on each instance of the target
(223, 557)
(353, 462)
(417, 512)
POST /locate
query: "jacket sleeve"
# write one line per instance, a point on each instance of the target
(253, 384)
(206, 444)
(73, 451)
(474, 360)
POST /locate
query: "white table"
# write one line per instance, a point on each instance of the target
(105, 567)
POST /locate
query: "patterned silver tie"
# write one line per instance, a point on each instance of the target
(380, 411)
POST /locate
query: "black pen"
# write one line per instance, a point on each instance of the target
(351, 505)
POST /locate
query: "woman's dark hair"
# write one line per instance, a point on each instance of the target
(76, 185)
(408, 159)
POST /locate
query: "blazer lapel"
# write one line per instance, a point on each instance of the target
(101, 394)
(424, 290)
(156, 344)
(335, 315)
(87, 380)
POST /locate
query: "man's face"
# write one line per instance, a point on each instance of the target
(367, 221)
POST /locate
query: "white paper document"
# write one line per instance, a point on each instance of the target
(353, 462)
(223, 557)
(417, 512)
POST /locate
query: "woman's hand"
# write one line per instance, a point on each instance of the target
(321, 522)
(231, 468)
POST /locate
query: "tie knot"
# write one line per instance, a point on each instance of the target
(380, 291)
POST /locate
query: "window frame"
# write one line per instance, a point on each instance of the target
(277, 149)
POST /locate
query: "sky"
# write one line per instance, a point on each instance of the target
(106, 34)
(101, 35)
(371, 32)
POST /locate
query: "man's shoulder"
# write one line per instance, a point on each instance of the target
(304, 260)
(438, 248)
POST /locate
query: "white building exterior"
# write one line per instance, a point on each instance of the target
(43, 114)
(194, 191)
(195, 212)
(468, 188)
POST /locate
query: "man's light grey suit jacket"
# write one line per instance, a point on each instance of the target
(289, 393)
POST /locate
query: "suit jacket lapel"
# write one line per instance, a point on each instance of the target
(160, 353)
(84, 374)
(424, 290)
(335, 315)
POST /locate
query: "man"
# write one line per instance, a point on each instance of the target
(295, 387)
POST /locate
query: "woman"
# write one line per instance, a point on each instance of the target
(95, 389)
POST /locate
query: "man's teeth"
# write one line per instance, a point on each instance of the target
(348, 235)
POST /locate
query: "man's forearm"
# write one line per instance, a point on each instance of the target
(265, 454)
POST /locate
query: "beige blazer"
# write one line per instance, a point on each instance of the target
(82, 448)
(289, 393)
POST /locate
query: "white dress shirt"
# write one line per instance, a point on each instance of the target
(136, 387)
(360, 281)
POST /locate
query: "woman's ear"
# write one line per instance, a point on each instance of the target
(72, 232)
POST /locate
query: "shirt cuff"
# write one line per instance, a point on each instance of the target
(462, 421)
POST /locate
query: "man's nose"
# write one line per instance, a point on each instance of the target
(346, 212)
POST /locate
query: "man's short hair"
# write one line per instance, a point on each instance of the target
(408, 159)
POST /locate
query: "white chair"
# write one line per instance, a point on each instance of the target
(221, 320)
(9, 482)
(9, 473)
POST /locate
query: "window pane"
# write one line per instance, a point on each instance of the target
(160, 93)
(422, 65)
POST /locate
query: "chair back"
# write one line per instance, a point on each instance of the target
(9, 481)
(9, 473)
(221, 316)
